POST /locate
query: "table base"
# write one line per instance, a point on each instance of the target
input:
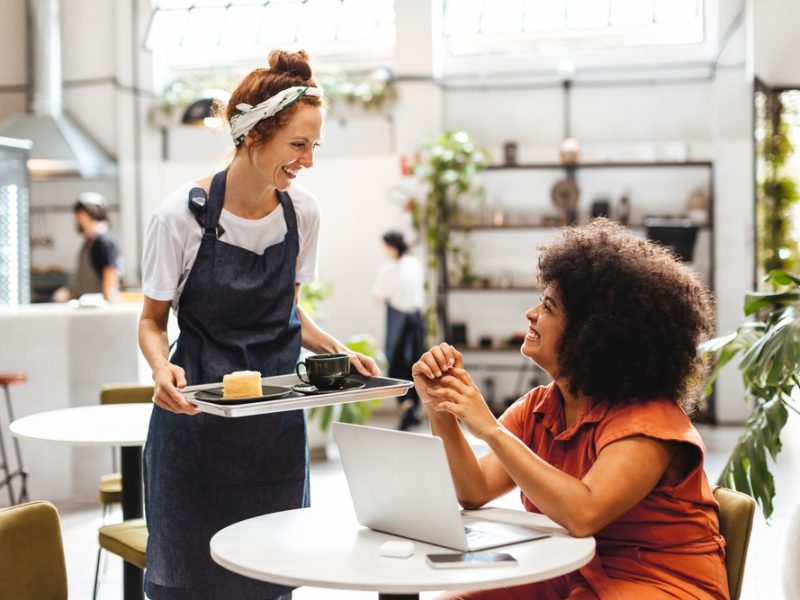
(398, 596)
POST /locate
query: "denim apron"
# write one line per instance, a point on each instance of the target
(205, 472)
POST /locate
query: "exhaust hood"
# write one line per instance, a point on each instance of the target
(60, 147)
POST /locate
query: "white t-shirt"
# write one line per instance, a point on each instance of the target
(401, 283)
(173, 237)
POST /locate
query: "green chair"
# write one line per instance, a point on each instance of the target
(118, 538)
(32, 565)
(127, 540)
(110, 487)
(736, 511)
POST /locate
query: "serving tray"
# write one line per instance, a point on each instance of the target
(375, 388)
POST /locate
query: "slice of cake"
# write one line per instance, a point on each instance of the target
(241, 384)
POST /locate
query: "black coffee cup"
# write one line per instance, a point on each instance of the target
(325, 371)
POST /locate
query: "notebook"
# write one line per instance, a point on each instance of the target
(400, 483)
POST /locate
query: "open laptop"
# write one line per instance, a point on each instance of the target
(401, 484)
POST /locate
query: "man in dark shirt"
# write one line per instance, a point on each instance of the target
(99, 260)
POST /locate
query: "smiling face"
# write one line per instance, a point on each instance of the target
(546, 323)
(291, 148)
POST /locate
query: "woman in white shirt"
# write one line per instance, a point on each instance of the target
(400, 285)
(228, 254)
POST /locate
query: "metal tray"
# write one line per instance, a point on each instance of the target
(375, 388)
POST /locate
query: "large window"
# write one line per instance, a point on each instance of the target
(219, 32)
(495, 26)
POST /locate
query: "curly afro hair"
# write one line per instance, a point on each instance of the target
(634, 315)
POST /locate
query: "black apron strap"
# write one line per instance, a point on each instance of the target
(206, 210)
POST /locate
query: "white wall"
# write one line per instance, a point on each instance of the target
(775, 42)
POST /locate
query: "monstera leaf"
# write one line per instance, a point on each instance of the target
(769, 347)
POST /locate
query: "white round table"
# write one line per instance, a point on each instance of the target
(123, 425)
(326, 547)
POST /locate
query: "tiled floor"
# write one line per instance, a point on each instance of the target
(762, 576)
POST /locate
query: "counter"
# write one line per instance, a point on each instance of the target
(68, 354)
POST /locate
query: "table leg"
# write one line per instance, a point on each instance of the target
(132, 508)
(132, 498)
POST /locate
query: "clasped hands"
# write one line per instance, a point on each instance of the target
(445, 387)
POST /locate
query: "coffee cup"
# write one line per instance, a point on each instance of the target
(324, 371)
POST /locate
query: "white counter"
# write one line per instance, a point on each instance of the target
(67, 354)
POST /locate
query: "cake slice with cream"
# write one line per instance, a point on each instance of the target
(241, 384)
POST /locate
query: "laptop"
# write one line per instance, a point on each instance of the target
(400, 483)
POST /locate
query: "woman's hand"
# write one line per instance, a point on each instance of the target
(455, 393)
(431, 366)
(364, 364)
(168, 381)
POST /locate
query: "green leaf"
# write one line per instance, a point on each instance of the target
(782, 278)
(755, 301)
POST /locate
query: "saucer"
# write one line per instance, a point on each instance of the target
(268, 392)
(349, 386)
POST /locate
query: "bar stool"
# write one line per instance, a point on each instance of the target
(7, 379)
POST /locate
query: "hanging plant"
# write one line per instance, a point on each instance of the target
(447, 168)
(370, 91)
(777, 247)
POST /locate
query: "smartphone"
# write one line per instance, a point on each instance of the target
(470, 559)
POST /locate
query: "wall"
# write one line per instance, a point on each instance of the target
(632, 116)
(774, 32)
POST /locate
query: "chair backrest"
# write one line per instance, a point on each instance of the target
(125, 393)
(32, 565)
(736, 511)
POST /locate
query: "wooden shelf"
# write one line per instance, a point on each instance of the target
(494, 288)
(524, 226)
(605, 165)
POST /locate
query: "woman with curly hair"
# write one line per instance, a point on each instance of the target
(607, 448)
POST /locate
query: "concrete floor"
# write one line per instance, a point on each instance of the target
(764, 563)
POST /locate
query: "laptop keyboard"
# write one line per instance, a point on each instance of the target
(478, 536)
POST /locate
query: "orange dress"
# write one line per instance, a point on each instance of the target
(667, 546)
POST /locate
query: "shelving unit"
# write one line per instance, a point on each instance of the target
(506, 269)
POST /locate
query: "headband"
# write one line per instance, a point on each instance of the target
(242, 123)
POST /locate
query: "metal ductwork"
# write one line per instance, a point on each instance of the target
(60, 147)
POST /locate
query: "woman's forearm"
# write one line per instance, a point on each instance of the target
(472, 486)
(560, 496)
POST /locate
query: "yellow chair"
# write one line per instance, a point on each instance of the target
(32, 565)
(110, 487)
(736, 511)
(127, 540)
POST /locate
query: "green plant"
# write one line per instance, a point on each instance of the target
(368, 91)
(312, 294)
(777, 193)
(447, 167)
(770, 368)
(352, 412)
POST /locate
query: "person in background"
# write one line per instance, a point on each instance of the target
(400, 285)
(607, 448)
(228, 254)
(99, 262)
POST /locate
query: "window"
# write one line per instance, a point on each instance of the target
(494, 26)
(221, 32)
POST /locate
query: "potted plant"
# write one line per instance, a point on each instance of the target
(770, 369)
(321, 417)
(768, 342)
(447, 167)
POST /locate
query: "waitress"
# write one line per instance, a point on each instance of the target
(228, 254)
